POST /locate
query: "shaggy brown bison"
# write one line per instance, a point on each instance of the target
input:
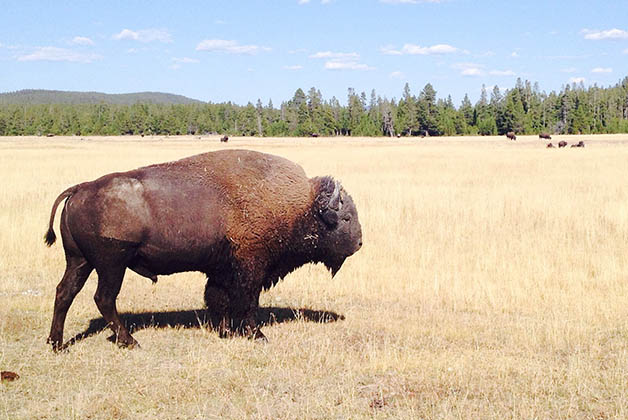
(224, 139)
(562, 143)
(245, 219)
(549, 145)
(545, 136)
(579, 144)
(511, 135)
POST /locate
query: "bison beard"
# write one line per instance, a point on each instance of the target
(245, 219)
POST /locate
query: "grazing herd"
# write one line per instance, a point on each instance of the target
(546, 136)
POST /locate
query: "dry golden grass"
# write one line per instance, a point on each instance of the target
(493, 284)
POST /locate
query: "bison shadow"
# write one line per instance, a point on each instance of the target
(200, 319)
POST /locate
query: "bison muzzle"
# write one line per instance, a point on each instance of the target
(245, 219)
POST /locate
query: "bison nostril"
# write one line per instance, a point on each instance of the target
(360, 244)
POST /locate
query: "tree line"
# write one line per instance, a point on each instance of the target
(524, 109)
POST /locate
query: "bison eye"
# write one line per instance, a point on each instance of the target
(346, 217)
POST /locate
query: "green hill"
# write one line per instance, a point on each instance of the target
(39, 96)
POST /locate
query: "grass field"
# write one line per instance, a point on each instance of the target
(492, 284)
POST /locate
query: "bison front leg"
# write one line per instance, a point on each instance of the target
(243, 304)
(217, 303)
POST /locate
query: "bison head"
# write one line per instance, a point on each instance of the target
(339, 230)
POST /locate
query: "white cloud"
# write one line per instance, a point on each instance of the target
(336, 55)
(346, 65)
(472, 71)
(514, 54)
(502, 73)
(608, 34)
(304, 1)
(625, 51)
(144, 35)
(577, 80)
(228, 46)
(396, 75)
(185, 60)
(341, 60)
(294, 67)
(413, 49)
(602, 70)
(58, 54)
(82, 40)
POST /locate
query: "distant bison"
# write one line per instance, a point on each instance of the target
(549, 145)
(224, 139)
(511, 135)
(314, 134)
(545, 136)
(245, 219)
(562, 143)
(579, 144)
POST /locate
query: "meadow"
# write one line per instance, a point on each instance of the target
(492, 284)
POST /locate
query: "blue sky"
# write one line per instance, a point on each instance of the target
(244, 50)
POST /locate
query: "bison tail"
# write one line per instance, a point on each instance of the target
(50, 236)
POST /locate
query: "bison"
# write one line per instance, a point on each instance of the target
(224, 139)
(549, 145)
(545, 136)
(511, 135)
(562, 143)
(245, 219)
(579, 144)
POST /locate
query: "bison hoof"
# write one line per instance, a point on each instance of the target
(57, 345)
(129, 344)
(258, 336)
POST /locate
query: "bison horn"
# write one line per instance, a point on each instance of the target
(329, 211)
(334, 201)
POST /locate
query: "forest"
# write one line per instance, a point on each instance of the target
(524, 109)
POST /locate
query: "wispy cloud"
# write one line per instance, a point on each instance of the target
(59, 54)
(469, 69)
(577, 80)
(607, 34)
(625, 51)
(294, 67)
(396, 75)
(185, 60)
(602, 70)
(413, 49)
(336, 55)
(81, 40)
(229, 46)
(341, 60)
(143, 35)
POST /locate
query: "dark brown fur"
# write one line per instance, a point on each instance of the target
(562, 143)
(511, 135)
(545, 136)
(579, 144)
(224, 139)
(549, 145)
(245, 219)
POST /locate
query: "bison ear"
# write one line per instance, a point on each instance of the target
(328, 200)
